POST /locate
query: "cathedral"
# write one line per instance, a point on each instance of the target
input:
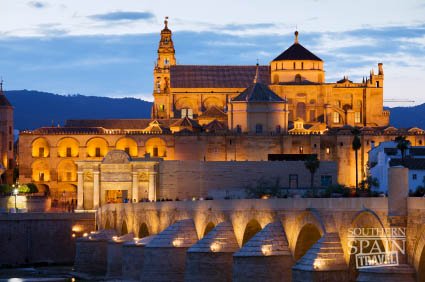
(212, 114)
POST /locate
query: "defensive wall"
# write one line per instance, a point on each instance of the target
(33, 238)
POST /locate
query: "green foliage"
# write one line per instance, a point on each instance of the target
(5, 189)
(312, 164)
(369, 183)
(402, 144)
(22, 189)
(264, 188)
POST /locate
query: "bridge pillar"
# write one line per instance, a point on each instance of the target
(91, 253)
(165, 255)
(211, 258)
(114, 258)
(132, 258)
(324, 261)
(266, 257)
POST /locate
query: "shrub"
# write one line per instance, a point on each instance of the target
(336, 189)
(264, 188)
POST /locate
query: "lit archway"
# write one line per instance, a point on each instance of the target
(40, 171)
(128, 145)
(40, 148)
(156, 147)
(210, 226)
(68, 147)
(364, 220)
(143, 230)
(307, 237)
(252, 228)
(67, 171)
(97, 147)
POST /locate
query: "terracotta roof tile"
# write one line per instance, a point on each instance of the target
(193, 76)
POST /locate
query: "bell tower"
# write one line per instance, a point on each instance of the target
(6, 138)
(166, 58)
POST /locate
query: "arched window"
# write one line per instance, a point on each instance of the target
(294, 65)
(298, 78)
(302, 65)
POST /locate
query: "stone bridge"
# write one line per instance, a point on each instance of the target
(303, 239)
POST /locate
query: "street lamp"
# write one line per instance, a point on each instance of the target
(15, 192)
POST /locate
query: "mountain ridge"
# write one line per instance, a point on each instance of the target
(35, 109)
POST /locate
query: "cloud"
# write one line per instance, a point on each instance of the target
(37, 4)
(123, 16)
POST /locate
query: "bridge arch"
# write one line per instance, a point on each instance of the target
(252, 228)
(210, 226)
(364, 219)
(124, 229)
(309, 228)
(108, 224)
(143, 230)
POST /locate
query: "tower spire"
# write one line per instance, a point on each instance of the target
(256, 77)
(166, 22)
(1, 84)
(296, 37)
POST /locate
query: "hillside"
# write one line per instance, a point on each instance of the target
(34, 109)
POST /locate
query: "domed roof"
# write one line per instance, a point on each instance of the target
(258, 92)
(297, 52)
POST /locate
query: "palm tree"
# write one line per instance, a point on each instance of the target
(356, 145)
(312, 164)
(402, 145)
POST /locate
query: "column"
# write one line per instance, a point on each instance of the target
(135, 187)
(152, 186)
(80, 191)
(95, 189)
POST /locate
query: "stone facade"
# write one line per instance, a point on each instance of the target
(7, 156)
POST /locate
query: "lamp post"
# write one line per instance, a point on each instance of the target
(15, 193)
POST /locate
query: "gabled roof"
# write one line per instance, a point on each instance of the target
(214, 126)
(258, 92)
(186, 122)
(214, 112)
(193, 76)
(297, 52)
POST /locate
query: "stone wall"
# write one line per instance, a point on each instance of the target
(30, 238)
(187, 179)
(30, 204)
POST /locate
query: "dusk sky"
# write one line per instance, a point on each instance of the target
(108, 48)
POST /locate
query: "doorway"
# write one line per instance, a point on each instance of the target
(116, 196)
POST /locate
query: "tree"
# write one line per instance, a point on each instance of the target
(312, 164)
(356, 145)
(402, 145)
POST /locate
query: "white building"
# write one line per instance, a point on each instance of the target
(386, 155)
